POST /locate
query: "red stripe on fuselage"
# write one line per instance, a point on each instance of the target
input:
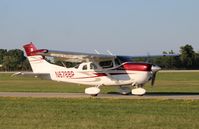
(96, 75)
(101, 75)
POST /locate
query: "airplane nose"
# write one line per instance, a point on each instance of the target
(155, 68)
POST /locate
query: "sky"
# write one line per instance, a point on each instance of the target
(125, 27)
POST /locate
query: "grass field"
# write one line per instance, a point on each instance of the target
(93, 113)
(166, 82)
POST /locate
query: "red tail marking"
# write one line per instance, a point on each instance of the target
(30, 48)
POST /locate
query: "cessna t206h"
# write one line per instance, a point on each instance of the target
(95, 70)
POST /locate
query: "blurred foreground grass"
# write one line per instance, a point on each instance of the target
(94, 113)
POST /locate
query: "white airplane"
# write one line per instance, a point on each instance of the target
(95, 70)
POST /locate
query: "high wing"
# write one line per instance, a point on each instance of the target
(75, 56)
(82, 57)
(131, 58)
(143, 56)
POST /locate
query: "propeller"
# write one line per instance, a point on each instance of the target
(153, 78)
(154, 70)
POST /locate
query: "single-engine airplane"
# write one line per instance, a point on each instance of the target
(95, 70)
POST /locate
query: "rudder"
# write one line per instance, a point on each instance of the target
(30, 48)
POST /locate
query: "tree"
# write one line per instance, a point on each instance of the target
(13, 60)
(2, 54)
(26, 65)
(187, 56)
(167, 62)
(197, 60)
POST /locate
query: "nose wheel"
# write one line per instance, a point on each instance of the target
(138, 90)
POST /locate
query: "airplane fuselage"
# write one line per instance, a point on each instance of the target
(124, 74)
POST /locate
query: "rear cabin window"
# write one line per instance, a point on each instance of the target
(84, 67)
(106, 64)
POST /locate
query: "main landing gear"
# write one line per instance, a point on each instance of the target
(137, 90)
(93, 91)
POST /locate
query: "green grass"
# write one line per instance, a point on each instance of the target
(176, 82)
(166, 82)
(94, 113)
(30, 84)
(90, 113)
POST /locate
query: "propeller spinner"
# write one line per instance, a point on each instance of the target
(154, 70)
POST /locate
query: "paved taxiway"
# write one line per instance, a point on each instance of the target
(187, 96)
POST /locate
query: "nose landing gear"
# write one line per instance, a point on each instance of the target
(136, 90)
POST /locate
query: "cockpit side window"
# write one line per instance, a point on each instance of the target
(117, 62)
(106, 64)
(124, 59)
(93, 66)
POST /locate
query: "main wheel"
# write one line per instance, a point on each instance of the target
(94, 95)
(93, 91)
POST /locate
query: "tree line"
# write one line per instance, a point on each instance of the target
(14, 60)
(187, 59)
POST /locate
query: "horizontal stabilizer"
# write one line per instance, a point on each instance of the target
(45, 76)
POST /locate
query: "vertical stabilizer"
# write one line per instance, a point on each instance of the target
(37, 62)
(30, 48)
